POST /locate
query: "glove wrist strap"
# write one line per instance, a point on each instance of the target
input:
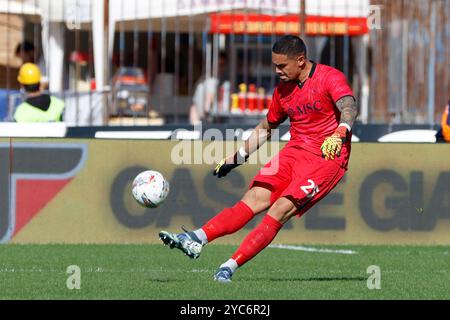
(346, 126)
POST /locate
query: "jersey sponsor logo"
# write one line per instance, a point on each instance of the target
(32, 174)
(304, 109)
(311, 189)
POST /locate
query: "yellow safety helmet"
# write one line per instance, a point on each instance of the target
(29, 74)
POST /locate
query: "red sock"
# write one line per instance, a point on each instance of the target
(257, 240)
(228, 221)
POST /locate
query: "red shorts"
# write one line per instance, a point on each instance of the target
(300, 176)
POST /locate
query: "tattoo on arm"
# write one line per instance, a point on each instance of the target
(348, 108)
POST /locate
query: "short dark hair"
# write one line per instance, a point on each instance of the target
(30, 88)
(25, 46)
(289, 45)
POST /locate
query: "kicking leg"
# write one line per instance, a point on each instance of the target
(259, 238)
(228, 221)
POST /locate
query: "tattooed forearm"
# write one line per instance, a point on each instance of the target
(349, 110)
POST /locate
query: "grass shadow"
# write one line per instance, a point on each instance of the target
(165, 280)
(309, 279)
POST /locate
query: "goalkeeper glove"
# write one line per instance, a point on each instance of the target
(332, 145)
(223, 168)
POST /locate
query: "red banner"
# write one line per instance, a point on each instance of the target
(264, 24)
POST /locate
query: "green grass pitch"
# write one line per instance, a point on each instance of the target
(131, 271)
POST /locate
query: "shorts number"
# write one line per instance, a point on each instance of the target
(311, 190)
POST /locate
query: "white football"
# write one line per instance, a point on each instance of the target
(150, 188)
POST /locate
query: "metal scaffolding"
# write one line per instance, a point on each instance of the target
(139, 62)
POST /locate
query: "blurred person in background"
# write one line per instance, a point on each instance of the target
(443, 135)
(206, 92)
(26, 51)
(38, 106)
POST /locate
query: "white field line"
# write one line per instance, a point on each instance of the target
(308, 249)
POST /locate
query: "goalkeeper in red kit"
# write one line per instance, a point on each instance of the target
(321, 108)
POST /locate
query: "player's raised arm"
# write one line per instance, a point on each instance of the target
(260, 134)
(349, 111)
